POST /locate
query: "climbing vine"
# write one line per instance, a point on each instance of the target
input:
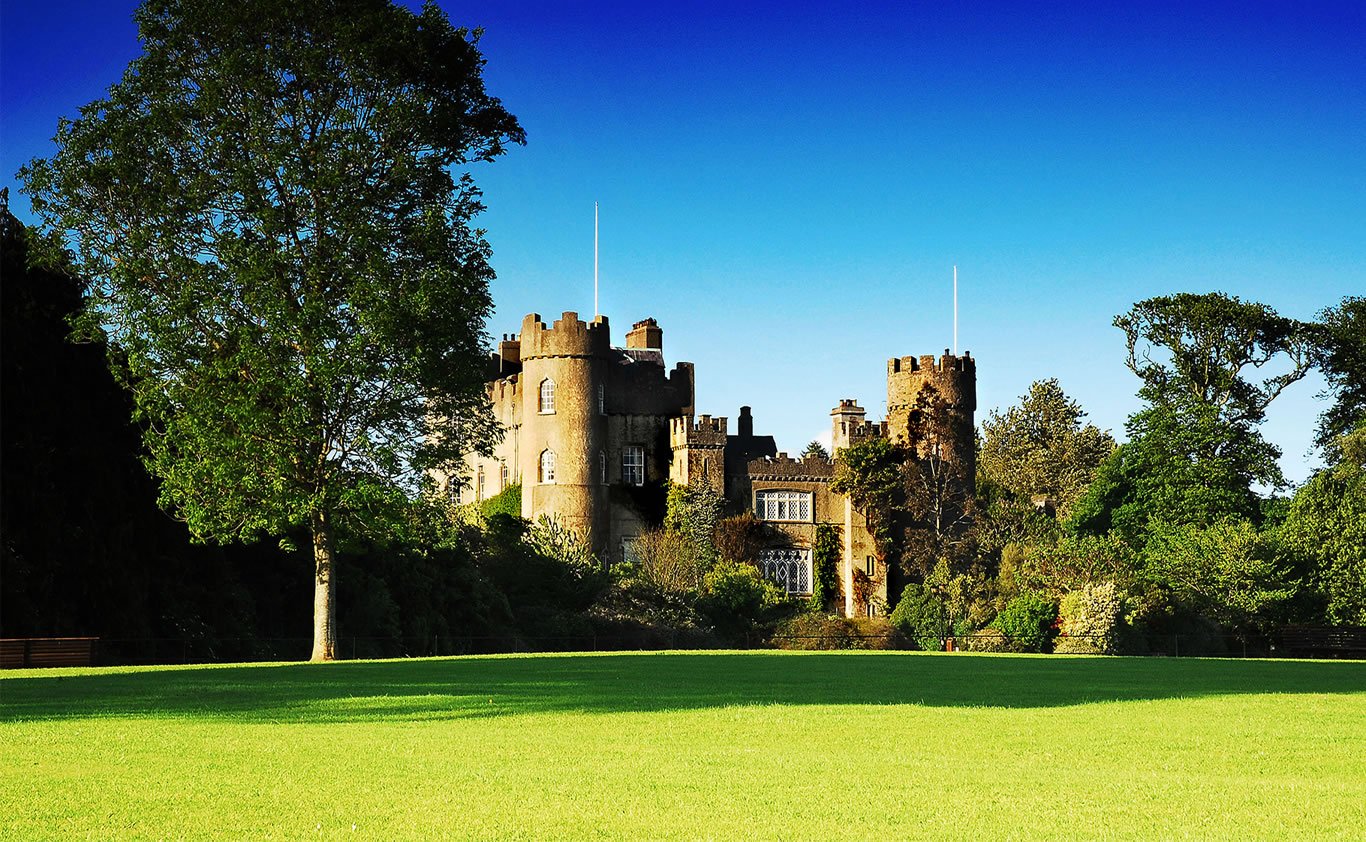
(825, 553)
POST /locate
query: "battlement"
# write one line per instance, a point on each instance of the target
(704, 431)
(569, 336)
(505, 390)
(784, 468)
(926, 364)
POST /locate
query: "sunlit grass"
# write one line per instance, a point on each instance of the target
(689, 745)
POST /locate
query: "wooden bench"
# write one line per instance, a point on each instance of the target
(17, 652)
(1324, 641)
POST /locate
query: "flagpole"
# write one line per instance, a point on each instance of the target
(955, 310)
(595, 260)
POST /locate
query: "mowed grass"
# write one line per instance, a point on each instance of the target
(689, 745)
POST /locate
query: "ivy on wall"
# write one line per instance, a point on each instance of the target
(825, 580)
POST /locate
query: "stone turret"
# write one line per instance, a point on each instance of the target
(952, 379)
(699, 451)
(563, 367)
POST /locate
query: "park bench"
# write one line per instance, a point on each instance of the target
(1324, 641)
(47, 652)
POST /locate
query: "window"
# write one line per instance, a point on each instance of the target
(602, 400)
(602, 466)
(788, 567)
(547, 466)
(870, 567)
(547, 396)
(633, 465)
(479, 486)
(783, 505)
(503, 478)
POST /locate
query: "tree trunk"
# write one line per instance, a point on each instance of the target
(324, 593)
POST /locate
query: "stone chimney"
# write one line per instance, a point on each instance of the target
(746, 423)
(646, 334)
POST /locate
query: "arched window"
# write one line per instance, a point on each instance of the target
(547, 395)
(503, 478)
(547, 466)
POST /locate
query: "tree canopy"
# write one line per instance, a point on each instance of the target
(1340, 353)
(280, 257)
(1201, 345)
(1042, 447)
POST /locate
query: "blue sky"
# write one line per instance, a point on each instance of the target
(787, 187)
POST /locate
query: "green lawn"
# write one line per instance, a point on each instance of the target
(689, 745)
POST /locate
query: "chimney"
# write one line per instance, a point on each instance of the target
(646, 334)
(746, 423)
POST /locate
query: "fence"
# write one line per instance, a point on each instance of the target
(1289, 642)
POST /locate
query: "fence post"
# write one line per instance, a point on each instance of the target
(1176, 645)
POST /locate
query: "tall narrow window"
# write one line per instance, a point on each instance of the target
(870, 566)
(602, 466)
(479, 486)
(503, 478)
(602, 400)
(547, 466)
(633, 465)
(547, 395)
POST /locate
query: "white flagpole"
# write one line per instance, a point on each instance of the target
(955, 310)
(595, 260)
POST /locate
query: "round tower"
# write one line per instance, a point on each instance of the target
(920, 390)
(563, 429)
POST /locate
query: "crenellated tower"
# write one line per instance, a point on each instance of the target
(947, 388)
(699, 451)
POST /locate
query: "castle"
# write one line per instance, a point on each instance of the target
(590, 428)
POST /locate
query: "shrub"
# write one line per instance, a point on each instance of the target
(668, 561)
(738, 590)
(987, 640)
(814, 631)
(1091, 621)
(506, 502)
(693, 511)
(1027, 621)
(874, 633)
(920, 615)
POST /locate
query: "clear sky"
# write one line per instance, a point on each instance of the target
(787, 187)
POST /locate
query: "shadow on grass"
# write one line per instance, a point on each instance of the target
(451, 688)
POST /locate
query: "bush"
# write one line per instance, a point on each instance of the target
(874, 633)
(987, 640)
(1027, 622)
(814, 632)
(736, 590)
(920, 615)
(1091, 621)
(506, 502)
(668, 561)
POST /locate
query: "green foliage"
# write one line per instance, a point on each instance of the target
(939, 511)
(921, 616)
(693, 511)
(1229, 571)
(1091, 620)
(735, 590)
(1182, 464)
(281, 260)
(1027, 622)
(1339, 352)
(815, 450)
(506, 502)
(988, 640)
(1074, 563)
(825, 556)
(1326, 525)
(1041, 449)
(1195, 348)
(869, 473)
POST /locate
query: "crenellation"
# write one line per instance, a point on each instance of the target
(609, 418)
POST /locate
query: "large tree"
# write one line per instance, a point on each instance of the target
(1042, 448)
(280, 257)
(1195, 452)
(1340, 353)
